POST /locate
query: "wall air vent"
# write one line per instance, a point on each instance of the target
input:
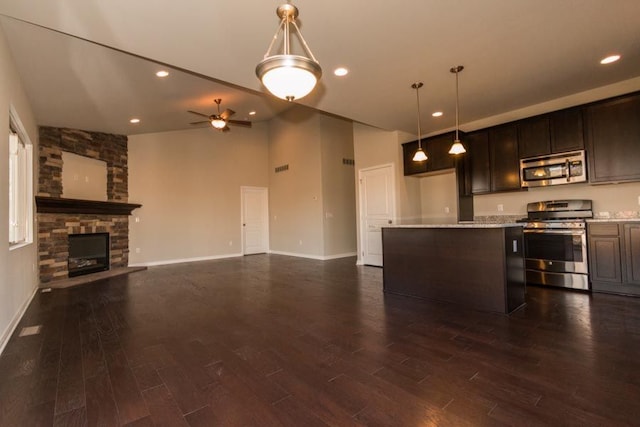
(282, 168)
(348, 162)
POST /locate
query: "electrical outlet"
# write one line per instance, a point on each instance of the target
(230, 242)
(300, 242)
(137, 250)
(500, 207)
(137, 219)
(639, 200)
(446, 209)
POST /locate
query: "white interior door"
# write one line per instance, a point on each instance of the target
(377, 209)
(255, 220)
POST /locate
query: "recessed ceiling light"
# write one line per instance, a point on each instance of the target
(610, 59)
(437, 114)
(340, 71)
(162, 73)
(134, 121)
(252, 113)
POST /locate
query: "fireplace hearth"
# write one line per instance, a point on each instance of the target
(88, 253)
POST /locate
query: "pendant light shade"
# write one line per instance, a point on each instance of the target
(457, 147)
(285, 75)
(420, 155)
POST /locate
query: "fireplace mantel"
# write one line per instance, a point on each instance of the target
(75, 206)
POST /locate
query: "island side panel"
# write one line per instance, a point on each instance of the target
(460, 265)
(515, 268)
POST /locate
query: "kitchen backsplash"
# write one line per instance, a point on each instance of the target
(617, 215)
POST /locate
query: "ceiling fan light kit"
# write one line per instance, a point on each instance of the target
(457, 147)
(285, 75)
(220, 121)
(420, 155)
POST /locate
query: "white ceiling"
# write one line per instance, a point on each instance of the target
(516, 53)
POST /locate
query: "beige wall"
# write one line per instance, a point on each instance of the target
(295, 195)
(439, 197)
(18, 275)
(338, 191)
(188, 183)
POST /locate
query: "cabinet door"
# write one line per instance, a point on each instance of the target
(566, 130)
(411, 167)
(533, 137)
(632, 253)
(437, 149)
(613, 139)
(604, 260)
(505, 163)
(477, 144)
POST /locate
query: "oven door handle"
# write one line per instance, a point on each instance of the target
(549, 231)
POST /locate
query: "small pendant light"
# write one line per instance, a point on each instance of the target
(457, 147)
(420, 155)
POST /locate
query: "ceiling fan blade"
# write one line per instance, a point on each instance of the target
(240, 123)
(226, 129)
(199, 122)
(227, 113)
(199, 114)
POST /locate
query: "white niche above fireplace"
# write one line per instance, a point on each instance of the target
(83, 177)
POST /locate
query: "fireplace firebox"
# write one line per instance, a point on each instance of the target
(88, 253)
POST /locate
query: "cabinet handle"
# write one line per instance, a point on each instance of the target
(515, 246)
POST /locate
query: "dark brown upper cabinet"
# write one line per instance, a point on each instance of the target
(534, 136)
(437, 150)
(613, 139)
(551, 133)
(411, 167)
(477, 145)
(503, 157)
(567, 130)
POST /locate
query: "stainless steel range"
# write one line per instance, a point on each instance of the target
(556, 243)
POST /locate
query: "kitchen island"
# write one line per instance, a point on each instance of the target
(480, 266)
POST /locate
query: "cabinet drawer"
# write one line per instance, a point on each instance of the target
(606, 229)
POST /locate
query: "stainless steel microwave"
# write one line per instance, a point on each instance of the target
(553, 169)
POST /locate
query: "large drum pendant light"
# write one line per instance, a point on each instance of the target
(285, 75)
(420, 155)
(457, 147)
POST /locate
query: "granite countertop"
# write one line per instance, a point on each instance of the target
(613, 220)
(469, 224)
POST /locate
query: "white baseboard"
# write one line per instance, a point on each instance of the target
(6, 335)
(183, 260)
(316, 257)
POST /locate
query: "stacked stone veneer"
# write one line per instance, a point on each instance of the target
(54, 228)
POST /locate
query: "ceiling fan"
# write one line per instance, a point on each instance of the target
(222, 120)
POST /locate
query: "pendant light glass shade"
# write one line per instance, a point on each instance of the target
(285, 75)
(457, 147)
(420, 155)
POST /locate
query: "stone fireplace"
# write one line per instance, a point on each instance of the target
(60, 217)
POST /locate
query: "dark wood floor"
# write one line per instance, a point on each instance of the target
(273, 340)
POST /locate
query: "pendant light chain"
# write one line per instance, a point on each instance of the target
(457, 107)
(417, 86)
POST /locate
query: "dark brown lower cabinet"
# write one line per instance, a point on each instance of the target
(614, 257)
